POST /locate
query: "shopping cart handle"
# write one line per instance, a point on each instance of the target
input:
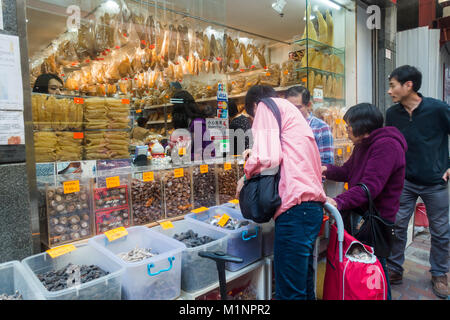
(340, 226)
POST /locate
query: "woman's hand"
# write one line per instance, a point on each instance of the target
(332, 202)
(324, 170)
(240, 184)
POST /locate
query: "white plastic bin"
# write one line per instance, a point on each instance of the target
(268, 235)
(245, 242)
(197, 272)
(104, 288)
(154, 278)
(14, 277)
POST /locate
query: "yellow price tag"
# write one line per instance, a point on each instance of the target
(71, 186)
(349, 149)
(338, 121)
(223, 221)
(181, 151)
(148, 176)
(227, 166)
(112, 182)
(61, 250)
(117, 233)
(166, 225)
(346, 186)
(201, 209)
(234, 201)
(178, 173)
(204, 168)
(339, 152)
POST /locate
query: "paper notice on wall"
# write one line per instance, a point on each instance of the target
(12, 129)
(11, 92)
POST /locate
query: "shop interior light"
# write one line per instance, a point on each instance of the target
(331, 4)
(278, 6)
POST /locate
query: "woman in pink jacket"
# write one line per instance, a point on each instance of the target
(299, 218)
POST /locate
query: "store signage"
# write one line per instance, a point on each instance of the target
(223, 221)
(166, 225)
(178, 173)
(112, 182)
(71, 186)
(204, 168)
(117, 233)
(148, 176)
(61, 250)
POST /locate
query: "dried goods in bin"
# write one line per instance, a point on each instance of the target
(16, 296)
(204, 186)
(146, 201)
(111, 219)
(177, 192)
(69, 217)
(227, 178)
(192, 239)
(107, 198)
(70, 276)
(137, 254)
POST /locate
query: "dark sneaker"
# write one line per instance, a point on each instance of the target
(440, 286)
(395, 277)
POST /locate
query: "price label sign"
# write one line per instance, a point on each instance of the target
(181, 151)
(349, 149)
(339, 152)
(115, 234)
(78, 100)
(204, 168)
(234, 201)
(112, 182)
(148, 176)
(178, 173)
(223, 221)
(201, 209)
(227, 166)
(166, 225)
(318, 95)
(139, 111)
(61, 250)
(71, 186)
(125, 101)
(78, 135)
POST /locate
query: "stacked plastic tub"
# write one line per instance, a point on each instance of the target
(15, 279)
(244, 242)
(107, 287)
(153, 278)
(197, 272)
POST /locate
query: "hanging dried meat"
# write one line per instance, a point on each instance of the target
(172, 43)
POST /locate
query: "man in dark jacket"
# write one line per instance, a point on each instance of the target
(425, 123)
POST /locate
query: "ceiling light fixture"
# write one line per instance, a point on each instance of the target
(331, 4)
(278, 6)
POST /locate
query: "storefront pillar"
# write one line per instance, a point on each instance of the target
(19, 222)
(385, 52)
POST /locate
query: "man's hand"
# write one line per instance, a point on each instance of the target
(446, 175)
(247, 153)
(332, 202)
(240, 184)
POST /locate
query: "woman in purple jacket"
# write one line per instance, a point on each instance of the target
(378, 161)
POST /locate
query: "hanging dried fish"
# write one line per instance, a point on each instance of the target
(206, 47)
(172, 43)
(245, 56)
(184, 41)
(212, 49)
(139, 26)
(259, 52)
(150, 31)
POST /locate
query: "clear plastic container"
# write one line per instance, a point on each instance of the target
(197, 272)
(104, 288)
(15, 278)
(244, 242)
(154, 278)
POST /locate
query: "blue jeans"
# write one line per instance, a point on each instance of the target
(295, 233)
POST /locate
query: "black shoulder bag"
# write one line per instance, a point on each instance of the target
(259, 198)
(374, 230)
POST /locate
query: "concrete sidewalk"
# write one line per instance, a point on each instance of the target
(416, 277)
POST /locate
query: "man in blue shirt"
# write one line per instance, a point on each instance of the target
(300, 97)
